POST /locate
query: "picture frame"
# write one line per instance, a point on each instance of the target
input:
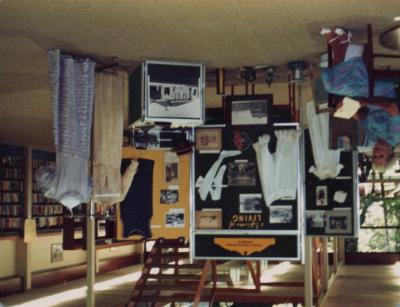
(245, 110)
(173, 91)
(208, 139)
(338, 222)
(321, 196)
(208, 219)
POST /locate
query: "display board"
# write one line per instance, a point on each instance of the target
(331, 205)
(232, 218)
(170, 194)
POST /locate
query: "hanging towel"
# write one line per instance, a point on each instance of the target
(108, 136)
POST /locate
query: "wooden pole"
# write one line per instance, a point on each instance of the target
(308, 287)
(90, 254)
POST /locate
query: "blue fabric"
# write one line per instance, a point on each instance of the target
(379, 124)
(350, 78)
(137, 207)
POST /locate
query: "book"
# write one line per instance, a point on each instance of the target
(348, 109)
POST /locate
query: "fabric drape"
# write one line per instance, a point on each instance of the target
(108, 136)
(71, 92)
(326, 160)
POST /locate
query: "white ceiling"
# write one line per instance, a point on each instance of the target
(219, 33)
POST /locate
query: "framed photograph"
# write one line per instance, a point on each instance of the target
(248, 110)
(338, 222)
(174, 91)
(321, 195)
(280, 214)
(250, 203)
(208, 139)
(56, 252)
(171, 168)
(169, 196)
(175, 218)
(315, 218)
(241, 173)
(209, 219)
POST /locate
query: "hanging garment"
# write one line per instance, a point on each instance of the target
(71, 93)
(137, 207)
(350, 78)
(108, 136)
(279, 171)
(326, 161)
(212, 182)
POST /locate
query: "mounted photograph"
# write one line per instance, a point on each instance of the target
(280, 214)
(208, 139)
(321, 195)
(241, 173)
(338, 222)
(250, 203)
(315, 219)
(169, 196)
(209, 219)
(249, 110)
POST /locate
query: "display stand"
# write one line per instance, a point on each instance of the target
(240, 225)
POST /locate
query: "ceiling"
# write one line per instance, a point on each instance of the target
(219, 33)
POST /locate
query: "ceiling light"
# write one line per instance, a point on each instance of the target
(397, 18)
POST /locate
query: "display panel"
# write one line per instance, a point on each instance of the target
(245, 192)
(331, 205)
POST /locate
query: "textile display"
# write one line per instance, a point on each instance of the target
(282, 165)
(71, 93)
(326, 160)
(108, 136)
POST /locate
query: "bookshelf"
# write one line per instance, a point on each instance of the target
(48, 213)
(12, 175)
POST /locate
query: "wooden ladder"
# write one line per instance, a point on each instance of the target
(169, 277)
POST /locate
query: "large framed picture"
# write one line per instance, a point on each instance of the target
(247, 110)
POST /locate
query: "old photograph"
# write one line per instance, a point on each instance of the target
(175, 218)
(338, 222)
(209, 139)
(249, 112)
(169, 196)
(250, 203)
(280, 214)
(241, 173)
(321, 195)
(171, 168)
(315, 219)
(209, 219)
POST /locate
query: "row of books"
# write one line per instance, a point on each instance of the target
(10, 197)
(16, 161)
(49, 221)
(12, 173)
(40, 198)
(47, 209)
(8, 223)
(11, 210)
(7, 185)
(38, 163)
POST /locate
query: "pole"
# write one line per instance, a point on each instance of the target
(308, 287)
(90, 254)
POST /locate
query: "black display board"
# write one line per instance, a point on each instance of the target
(331, 205)
(239, 224)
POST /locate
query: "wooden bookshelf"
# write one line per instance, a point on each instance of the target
(12, 190)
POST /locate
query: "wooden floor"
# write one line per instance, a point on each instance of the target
(366, 286)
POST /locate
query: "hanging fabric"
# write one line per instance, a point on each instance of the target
(71, 92)
(109, 101)
(278, 171)
(326, 160)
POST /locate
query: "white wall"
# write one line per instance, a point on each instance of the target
(8, 256)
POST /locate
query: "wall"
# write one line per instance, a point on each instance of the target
(8, 256)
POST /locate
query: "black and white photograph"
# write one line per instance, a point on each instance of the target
(157, 137)
(338, 222)
(250, 112)
(172, 97)
(280, 214)
(315, 218)
(171, 168)
(250, 203)
(241, 173)
(175, 218)
(321, 195)
(169, 196)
